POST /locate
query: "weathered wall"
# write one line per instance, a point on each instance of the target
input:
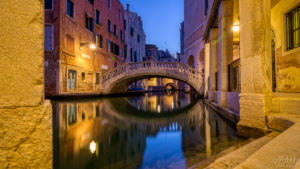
(287, 62)
(25, 119)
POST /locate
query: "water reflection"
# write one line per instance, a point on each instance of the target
(132, 133)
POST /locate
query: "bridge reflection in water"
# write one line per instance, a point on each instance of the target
(151, 131)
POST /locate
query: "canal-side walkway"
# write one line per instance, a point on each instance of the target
(271, 151)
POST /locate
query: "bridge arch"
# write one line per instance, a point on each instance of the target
(118, 79)
(172, 85)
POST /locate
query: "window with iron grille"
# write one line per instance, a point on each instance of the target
(293, 29)
(233, 76)
(97, 78)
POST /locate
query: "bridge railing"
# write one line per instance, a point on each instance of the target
(153, 66)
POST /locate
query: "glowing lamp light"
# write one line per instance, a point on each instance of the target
(93, 147)
(236, 28)
(92, 46)
(158, 108)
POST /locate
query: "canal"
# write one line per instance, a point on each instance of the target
(155, 130)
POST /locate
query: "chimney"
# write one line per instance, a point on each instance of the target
(127, 7)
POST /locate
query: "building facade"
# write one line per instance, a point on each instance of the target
(252, 63)
(151, 52)
(83, 39)
(193, 32)
(135, 37)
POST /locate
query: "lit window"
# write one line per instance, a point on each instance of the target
(293, 29)
(99, 41)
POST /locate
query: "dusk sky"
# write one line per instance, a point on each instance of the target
(161, 20)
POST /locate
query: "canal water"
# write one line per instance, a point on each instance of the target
(155, 130)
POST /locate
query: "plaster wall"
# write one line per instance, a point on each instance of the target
(25, 117)
(287, 62)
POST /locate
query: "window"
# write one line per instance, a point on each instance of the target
(71, 79)
(115, 30)
(111, 47)
(108, 3)
(108, 25)
(115, 64)
(138, 38)
(108, 45)
(97, 79)
(89, 23)
(121, 53)
(132, 32)
(119, 14)
(149, 53)
(70, 8)
(48, 44)
(83, 76)
(97, 17)
(121, 35)
(293, 29)
(91, 1)
(125, 51)
(206, 6)
(135, 56)
(69, 44)
(131, 53)
(124, 24)
(99, 41)
(48, 4)
(116, 49)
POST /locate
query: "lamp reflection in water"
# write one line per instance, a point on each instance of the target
(93, 147)
(158, 108)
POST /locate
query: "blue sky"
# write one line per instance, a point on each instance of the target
(161, 20)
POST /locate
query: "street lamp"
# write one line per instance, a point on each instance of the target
(235, 28)
(91, 45)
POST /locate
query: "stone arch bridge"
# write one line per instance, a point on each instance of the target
(118, 79)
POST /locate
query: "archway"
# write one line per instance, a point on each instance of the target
(171, 86)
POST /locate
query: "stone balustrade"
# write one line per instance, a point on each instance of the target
(133, 71)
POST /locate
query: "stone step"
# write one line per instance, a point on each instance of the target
(236, 157)
(281, 152)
